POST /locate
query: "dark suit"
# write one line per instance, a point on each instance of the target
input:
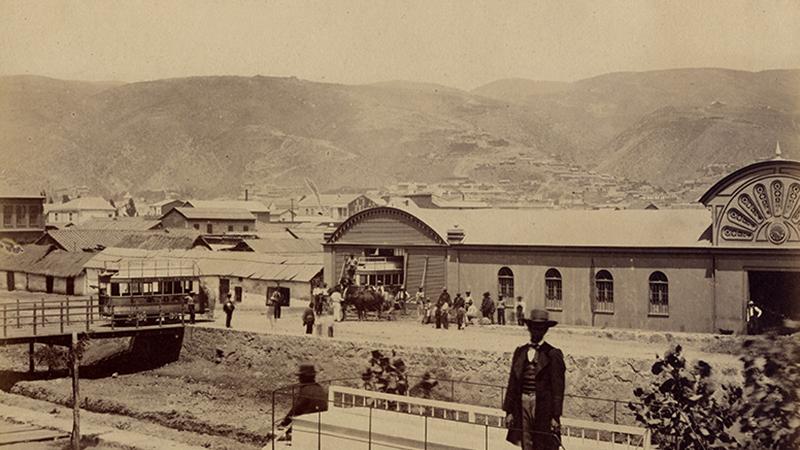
(309, 398)
(549, 393)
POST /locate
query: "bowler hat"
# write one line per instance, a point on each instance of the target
(540, 317)
(306, 368)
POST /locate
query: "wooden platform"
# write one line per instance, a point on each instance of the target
(12, 433)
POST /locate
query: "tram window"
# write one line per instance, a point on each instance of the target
(115, 289)
(177, 287)
(187, 285)
(124, 289)
(147, 288)
(167, 288)
(136, 288)
(362, 280)
(156, 288)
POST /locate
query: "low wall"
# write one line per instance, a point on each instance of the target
(275, 357)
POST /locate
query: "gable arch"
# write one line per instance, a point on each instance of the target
(386, 226)
(757, 205)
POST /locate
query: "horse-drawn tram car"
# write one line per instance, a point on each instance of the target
(148, 291)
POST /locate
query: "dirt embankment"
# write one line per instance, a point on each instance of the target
(222, 384)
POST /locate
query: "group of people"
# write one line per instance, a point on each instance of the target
(533, 400)
(464, 310)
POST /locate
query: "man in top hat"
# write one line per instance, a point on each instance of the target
(310, 397)
(535, 394)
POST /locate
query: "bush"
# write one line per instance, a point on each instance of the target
(683, 408)
(685, 411)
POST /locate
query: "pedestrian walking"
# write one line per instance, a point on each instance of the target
(501, 310)
(308, 318)
(336, 299)
(443, 303)
(487, 307)
(402, 298)
(276, 298)
(520, 309)
(461, 311)
(228, 308)
(190, 306)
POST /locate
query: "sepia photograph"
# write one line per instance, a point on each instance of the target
(400, 224)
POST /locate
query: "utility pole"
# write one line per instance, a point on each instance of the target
(76, 408)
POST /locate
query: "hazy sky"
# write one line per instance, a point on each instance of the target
(458, 43)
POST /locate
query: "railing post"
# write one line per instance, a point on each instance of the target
(31, 365)
(135, 309)
(5, 316)
(425, 441)
(113, 318)
(17, 313)
(91, 309)
(615, 412)
(67, 310)
(319, 431)
(88, 307)
(42, 312)
(61, 315)
(369, 435)
(273, 420)
(34, 319)
(486, 434)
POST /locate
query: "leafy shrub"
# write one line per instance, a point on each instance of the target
(685, 411)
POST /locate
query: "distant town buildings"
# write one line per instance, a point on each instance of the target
(210, 220)
(78, 211)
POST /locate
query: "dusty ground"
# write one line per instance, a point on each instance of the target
(227, 405)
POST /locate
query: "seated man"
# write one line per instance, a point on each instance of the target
(309, 398)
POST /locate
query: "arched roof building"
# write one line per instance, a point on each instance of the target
(668, 269)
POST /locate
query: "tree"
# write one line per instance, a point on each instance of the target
(130, 208)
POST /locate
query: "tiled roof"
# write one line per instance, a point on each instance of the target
(254, 206)
(72, 239)
(592, 228)
(119, 223)
(60, 263)
(22, 262)
(83, 204)
(230, 264)
(214, 214)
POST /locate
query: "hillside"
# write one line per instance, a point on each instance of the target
(209, 135)
(605, 116)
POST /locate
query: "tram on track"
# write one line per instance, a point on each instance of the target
(148, 291)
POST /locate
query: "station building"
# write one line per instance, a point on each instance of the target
(690, 270)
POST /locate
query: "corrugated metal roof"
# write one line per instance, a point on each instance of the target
(591, 228)
(22, 262)
(230, 264)
(215, 214)
(60, 263)
(283, 246)
(254, 206)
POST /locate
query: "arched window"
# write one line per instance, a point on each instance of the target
(505, 282)
(552, 290)
(659, 294)
(604, 292)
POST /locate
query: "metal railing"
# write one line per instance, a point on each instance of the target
(578, 428)
(39, 317)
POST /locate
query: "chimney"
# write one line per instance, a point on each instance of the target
(455, 235)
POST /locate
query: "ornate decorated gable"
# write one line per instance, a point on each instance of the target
(385, 226)
(758, 205)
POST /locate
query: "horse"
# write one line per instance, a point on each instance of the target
(363, 299)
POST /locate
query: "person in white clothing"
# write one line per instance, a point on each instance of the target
(336, 299)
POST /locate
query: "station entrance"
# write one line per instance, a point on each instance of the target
(777, 293)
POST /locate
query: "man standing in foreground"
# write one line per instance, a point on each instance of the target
(309, 398)
(535, 394)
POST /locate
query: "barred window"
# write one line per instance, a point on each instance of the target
(604, 292)
(659, 294)
(552, 293)
(505, 282)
